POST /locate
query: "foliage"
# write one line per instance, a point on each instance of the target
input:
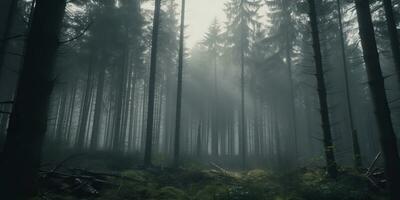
(258, 184)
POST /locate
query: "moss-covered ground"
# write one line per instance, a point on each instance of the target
(206, 184)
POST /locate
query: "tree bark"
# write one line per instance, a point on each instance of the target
(379, 98)
(28, 121)
(152, 80)
(179, 90)
(322, 94)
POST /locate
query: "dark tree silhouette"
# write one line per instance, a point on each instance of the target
(321, 87)
(179, 93)
(379, 98)
(152, 80)
(28, 121)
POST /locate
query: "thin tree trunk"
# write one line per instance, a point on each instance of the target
(179, 90)
(60, 131)
(118, 133)
(28, 121)
(71, 112)
(152, 80)
(379, 98)
(354, 135)
(98, 108)
(242, 101)
(85, 109)
(326, 127)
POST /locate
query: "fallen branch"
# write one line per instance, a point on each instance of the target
(113, 175)
(59, 165)
(370, 168)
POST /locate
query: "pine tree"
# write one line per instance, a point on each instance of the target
(322, 94)
(179, 93)
(152, 80)
(212, 43)
(242, 15)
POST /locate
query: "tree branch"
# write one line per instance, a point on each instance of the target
(79, 35)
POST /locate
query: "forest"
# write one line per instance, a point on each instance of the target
(199, 99)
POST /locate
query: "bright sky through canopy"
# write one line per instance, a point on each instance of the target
(199, 16)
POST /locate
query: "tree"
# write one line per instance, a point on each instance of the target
(241, 15)
(378, 92)
(212, 43)
(354, 134)
(322, 94)
(28, 121)
(393, 34)
(284, 35)
(152, 80)
(179, 93)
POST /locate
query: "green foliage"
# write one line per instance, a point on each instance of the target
(189, 184)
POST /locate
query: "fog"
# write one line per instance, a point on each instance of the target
(279, 86)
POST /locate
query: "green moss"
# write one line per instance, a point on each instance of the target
(193, 184)
(170, 193)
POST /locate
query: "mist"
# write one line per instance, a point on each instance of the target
(199, 99)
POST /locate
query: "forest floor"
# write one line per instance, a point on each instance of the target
(218, 184)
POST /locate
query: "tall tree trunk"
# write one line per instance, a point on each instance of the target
(215, 117)
(322, 94)
(60, 131)
(119, 133)
(379, 98)
(242, 100)
(71, 107)
(354, 135)
(28, 121)
(152, 80)
(85, 109)
(290, 74)
(98, 108)
(393, 34)
(7, 30)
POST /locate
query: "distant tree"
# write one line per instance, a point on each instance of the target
(242, 15)
(354, 134)
(322, 94)
(283, 34)
(213, 45)
(379, 97)
(28, 121)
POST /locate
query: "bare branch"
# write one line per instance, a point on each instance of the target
(77, 36)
